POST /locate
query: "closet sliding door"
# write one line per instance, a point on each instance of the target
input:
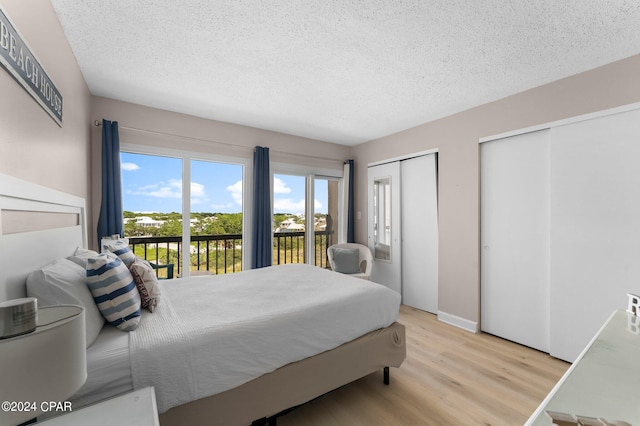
(514, 193)
(403, 228)
(420, 232)
(385, 224)
(560, 231)
(595, 224)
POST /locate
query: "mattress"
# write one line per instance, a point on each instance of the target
(108, 368)
(295, 383)
(212, 334)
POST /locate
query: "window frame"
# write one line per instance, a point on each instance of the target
(310, 174)
(186, 157)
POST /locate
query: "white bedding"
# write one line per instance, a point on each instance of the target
(211, 334)
(108, 368)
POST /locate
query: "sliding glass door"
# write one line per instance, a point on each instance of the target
(152, 204)
(325, 217)
(289, 219)
(173, 202)
(305, 216)
(216, 217)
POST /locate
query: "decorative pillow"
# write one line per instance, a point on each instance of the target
(81, 256)
(63, 282)
(121, 249)
(114, 291)
(346, 260)
(146, 282)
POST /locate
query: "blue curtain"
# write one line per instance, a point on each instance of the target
(110, 221)
(350, 207)
(261, 247)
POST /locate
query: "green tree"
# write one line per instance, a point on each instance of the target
(171, 227)
(231, 223)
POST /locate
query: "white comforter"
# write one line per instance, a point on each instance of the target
(211, 334)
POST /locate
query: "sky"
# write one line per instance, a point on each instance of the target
(153, 183)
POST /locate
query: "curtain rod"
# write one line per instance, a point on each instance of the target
(98, 123)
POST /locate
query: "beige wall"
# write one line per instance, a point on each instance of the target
(184, 132)
(456, 137)
(32, 146)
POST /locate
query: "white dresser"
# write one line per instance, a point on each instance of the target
(604, 381)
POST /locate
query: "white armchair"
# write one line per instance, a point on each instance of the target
(351, 259)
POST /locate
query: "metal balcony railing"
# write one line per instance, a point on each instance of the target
(222, 254)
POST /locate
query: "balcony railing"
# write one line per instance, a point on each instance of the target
(222, 254)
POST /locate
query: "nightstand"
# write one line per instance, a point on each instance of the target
(46, 364)
(132, 409)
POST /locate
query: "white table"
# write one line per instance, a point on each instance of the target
(132, 409)
(604, 381)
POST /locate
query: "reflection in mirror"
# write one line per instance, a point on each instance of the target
(382, 218)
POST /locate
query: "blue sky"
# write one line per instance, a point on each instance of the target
(154, 184)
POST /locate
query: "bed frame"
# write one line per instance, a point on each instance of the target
(38, 225)
(261, 400)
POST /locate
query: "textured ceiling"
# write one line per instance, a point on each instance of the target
(340, 71)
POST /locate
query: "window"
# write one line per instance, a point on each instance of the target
(290, 219)
(152, 204)
(325, 217)
(163, 215)
(305, 216)
(216, 217)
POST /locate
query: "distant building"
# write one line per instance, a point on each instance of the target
(290, 225)
(147, 222)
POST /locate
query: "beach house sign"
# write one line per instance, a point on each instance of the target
(22, 64)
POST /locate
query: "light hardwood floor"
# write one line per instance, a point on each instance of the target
(450, 377)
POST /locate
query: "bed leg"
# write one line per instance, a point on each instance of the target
(386, 375)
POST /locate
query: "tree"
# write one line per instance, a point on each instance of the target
(170, 228)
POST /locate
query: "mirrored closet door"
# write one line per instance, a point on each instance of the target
(403, 228)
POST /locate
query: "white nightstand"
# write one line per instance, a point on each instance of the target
(132, 409)
(46, 364)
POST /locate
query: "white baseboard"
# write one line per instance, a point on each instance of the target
(456, 321)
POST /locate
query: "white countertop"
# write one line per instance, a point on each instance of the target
(604, 382)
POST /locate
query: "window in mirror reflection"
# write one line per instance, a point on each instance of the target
(382, 218)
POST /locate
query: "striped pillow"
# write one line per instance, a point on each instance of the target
(114, 291)
(121, 249)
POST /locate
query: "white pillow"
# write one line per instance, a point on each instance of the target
(63, 282)
(146, 282)
(114, 291)
(81, 256)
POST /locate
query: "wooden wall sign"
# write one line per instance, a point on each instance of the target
(21, 63)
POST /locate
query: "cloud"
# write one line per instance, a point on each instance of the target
(171, 189)
(288, 205)
(236, 192)
(198, 193)
(221, 207)
(129, 167)
(280, 187)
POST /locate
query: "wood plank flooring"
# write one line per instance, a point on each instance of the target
(450, 377)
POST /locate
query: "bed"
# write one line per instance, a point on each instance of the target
(280, 323)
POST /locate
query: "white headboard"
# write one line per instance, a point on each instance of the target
(37, 225)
